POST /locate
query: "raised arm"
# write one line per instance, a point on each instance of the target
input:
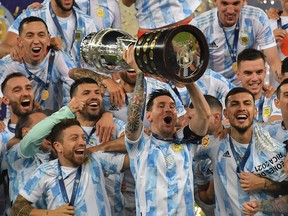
(134, 123)
(199, 124)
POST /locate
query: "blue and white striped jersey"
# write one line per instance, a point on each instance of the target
(113, 182)
(20, 168)
(106, 13)
(277, 130)
(73, 36)
(254, 31)
(163, 175)
(153, 14)
(268, 109)
(60, 81)
(210, 83)
(91, 198)
(266, 159)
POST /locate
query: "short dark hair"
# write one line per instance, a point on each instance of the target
(213, 102)
(250, 54)
(23, 122)
(155, 94)
(8, 77)
(56, 134)
(278, 90)
(237, 90)
(284, 66)
(31, 19)
(85, 80)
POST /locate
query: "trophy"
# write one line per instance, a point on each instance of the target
(179, 53)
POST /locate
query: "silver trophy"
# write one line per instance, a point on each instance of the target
(179, 53)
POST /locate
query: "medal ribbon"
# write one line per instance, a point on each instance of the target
(58, 26)
(260, 108)
(75, 185)
(240, 162)
(279, 24)
(45, 85)
(232, 50)
(91, 133)
(11, 129)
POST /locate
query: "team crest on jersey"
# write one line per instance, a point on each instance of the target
(205, 141)
(244, 39)
(266, 112)
(177, 147)
(100, 12)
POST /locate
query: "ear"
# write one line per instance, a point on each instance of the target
(19, 41)
(148, 116)
(255, 112)
(277, 103)
(217, 118)
(5, 100)
(58, 147)
(225, 113)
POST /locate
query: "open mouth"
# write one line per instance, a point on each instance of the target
(241, 117)
(36, 50)
(25, 103)
(168, 119)
(79, 151)
(94, 104)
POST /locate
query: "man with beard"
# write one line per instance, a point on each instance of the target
(246, 148)
(88, 90)
(231, 27)
(71, 184)
(63, 20)
(48, 72)
(251, 71)
(128, 83)
(19, 97)
(161, 163)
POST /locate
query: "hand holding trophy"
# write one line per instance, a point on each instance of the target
(179, 53)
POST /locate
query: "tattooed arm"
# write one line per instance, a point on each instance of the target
(278, 206)
(116, 92)
(23, 207)
(136, 105)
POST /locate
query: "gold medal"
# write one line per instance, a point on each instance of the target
(177, 147)
(78, 35)
(45, 94)
(234, 66)
(100, 12)
(244, 39)
(205, 141)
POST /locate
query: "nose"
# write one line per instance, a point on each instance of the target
(36, 39)
(230, 9)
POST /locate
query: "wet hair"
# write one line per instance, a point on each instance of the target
(284, 66)
(278, 90)
(8, 77)
(31, 19)
(235, 91)
(250, 54)
(23, 122)
(56, 134)
(78, 82)
(155, 94)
